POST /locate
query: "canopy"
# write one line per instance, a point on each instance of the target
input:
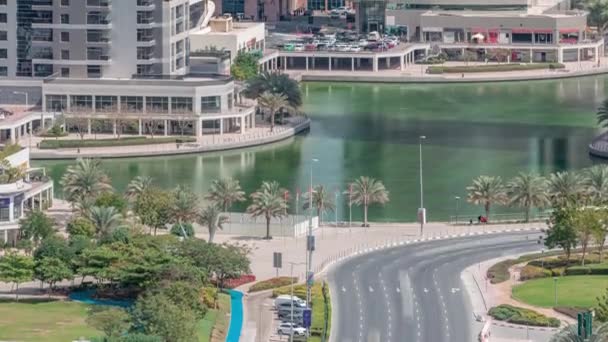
(478, 36)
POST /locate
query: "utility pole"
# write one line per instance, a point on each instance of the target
(421, 210)
(310, 241)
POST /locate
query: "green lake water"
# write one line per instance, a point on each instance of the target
(373, 129)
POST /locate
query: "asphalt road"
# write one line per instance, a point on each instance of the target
(414, 292)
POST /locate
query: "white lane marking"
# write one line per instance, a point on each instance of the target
(343, 289)
(398, 290)
(426, 290)
(371, 289)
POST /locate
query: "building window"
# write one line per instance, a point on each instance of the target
(65, 18)
(230, 100)
(65, 36)
(3, 71)
(81, 103)
(16, 211)
(65, 54)
(65, 72)
(94, 71)
(157, 104)
(65, 3)
(3, 18)
(210, 104)
(43, 70)
(132, 104)
(181, 105)
(106, 104)
(3, 36)
(56, 103)
(3, 54)
(4, 214)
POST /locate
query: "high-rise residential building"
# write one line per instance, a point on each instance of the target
(93, 38)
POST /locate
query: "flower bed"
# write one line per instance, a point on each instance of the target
(517, 315)
(272, 283)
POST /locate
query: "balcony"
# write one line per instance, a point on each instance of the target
(145, 5)
(99, 4)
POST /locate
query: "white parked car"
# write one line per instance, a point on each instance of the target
(342, 47)
(285, 300)
(363, 43)
(355, 48)
(285, 329)
(298, 47)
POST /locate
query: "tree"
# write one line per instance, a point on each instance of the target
(138, 186)
(601, 309)
(111, 199)
(213, 219)
(586, 222)
(16, 269)
(85, 180)
(528, 190)
(80, 124)
(54, 246)
(154, 208)
(225, 192)
(276, 83)
(566, 188)
(561, 232)
(486, 190)
(245, 66)
(113, 322)
(598, 14)
(105, 219)
(157, 314)
(367, 191)
(178, 230)
(322, 201)
(268, 201)
(184, 206)
(596, 183)
(36, 225)
(81, 226)
(601, 231)
(272, 102)
(52, 270)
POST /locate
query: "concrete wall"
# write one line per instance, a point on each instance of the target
(503, 22)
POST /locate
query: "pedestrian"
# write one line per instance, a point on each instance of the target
(463, 75)
(478, 219)
(470, 222)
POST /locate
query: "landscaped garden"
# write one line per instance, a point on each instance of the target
(572, 291)
(493, 68)
(48, 144)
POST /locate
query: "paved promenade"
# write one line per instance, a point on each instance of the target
(259, 135)
(417, 74)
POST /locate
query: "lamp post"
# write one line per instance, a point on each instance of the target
(457, 198)
(336, 206)
(310, 239)
(555, 289)
(350, 207)
(291, 264)
(421, 211)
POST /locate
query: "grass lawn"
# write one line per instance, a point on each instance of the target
(214, 326)
(54, 321)
(573, 291)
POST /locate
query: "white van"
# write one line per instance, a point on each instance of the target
(286, 299)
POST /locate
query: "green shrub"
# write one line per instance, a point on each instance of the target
(128, 141)
(533, 272)
(9, 149)
(54, 132)
(177, 231)
(492, 68)
(272, 283)
(517, 315)
(578, 270)
(209, 296)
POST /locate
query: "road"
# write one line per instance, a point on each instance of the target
(414, 293)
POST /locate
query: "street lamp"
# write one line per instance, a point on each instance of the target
(555, 289)
(457, 198)
(291, 264)
(421, 211)
(309, 239)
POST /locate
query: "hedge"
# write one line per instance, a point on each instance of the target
(532, 272)
(517, 315)
(272, 283)
(128, 141)
(318, 304)
(493, 68)
(593, 269)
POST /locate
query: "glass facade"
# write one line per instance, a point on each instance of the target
(233, 6)
(371, 15)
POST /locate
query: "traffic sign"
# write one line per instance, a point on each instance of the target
(277, 260)
(307, 318)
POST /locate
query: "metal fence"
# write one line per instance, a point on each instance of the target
(288, 226)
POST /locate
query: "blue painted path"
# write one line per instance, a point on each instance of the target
(236, 316)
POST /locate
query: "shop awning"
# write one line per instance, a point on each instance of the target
(521, 30)
(543, 31)
(568, 30)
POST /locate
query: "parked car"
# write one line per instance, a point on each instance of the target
(342, 47)
(363, 43)
(355, 48)
(298, 47)
(286, 328)
(286, 300)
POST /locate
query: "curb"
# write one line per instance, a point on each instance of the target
(519, 326)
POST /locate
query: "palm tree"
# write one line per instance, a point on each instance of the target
(268, 201)
(321, 200)
(213, 219)
(486, 191)
(367, 191)
(184, 205)
(85, 179)
(570, 334)
(225, 192)
(272, 102)
(276, 83)
(105, 219)
(528, 190)
(138, 186)
(596, 183)
(566, 188)
(602, 114)
(8, 173)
